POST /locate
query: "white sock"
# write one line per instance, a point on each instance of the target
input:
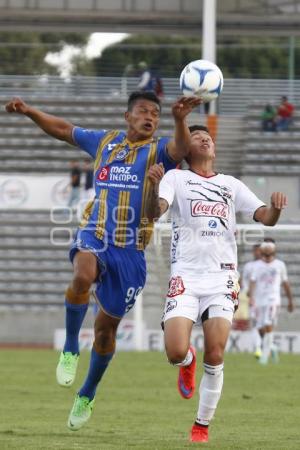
(256, 339)
(210, 391)
(266, 345)
(187, 360)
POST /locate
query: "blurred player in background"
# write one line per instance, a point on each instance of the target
(75, 177)
(268, 274)
(109, 246)
(245, 284)
(204, 280)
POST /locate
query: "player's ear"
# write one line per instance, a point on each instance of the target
(126, 115)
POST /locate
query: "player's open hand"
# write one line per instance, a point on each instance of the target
(184, 105)
(16, 105)
(278, 200)
(155, 173)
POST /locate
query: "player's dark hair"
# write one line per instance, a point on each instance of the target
(193, 128)
(144, 95)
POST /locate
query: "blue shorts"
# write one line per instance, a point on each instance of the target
(122, 272)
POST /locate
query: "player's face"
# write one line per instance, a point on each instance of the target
(202, 146)
(143, 119)
(268, 255)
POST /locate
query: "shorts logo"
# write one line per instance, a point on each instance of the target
(171, 304)
(103, 174)
(176, 287)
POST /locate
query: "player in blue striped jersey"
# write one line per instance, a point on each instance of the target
(108, 247)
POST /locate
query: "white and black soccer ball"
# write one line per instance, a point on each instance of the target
(203, 79)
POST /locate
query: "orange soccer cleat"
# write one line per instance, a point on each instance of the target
(199, 433)
(187, 378)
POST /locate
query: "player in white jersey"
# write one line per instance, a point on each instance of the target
(203, 282)
(268, 275)
(245, 284)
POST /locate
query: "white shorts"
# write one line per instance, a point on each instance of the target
(204, 297)
(266, 315)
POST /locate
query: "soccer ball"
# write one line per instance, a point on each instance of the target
(203, 79)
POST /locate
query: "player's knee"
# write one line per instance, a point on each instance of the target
(176, 356)
(81, 283)
(214, 355)
(105, 340)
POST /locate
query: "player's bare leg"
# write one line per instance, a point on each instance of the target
(101, 354)
(181, 353)
(77, 300)
(216, 331)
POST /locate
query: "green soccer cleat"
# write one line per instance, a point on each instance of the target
(80, 413)
(66, 369)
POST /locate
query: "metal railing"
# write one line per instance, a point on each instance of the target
(234, 100)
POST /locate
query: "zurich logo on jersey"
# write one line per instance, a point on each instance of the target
(212, 224)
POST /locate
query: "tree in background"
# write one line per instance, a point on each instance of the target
(165, 55)
(24, 53)
(238, 58)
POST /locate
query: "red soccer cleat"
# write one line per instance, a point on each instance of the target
(199, 433)
(187, 378)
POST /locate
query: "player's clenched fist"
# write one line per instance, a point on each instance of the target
(155, 173)
(16, 105)
(278, 200)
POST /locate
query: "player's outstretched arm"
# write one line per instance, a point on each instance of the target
(288, 292)
(155, 206)
(52, 125)
(178, 148)
(269, 215)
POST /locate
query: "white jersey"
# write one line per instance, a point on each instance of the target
(268, 278)
(246, 275)
(203, 220)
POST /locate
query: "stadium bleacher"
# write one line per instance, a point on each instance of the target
(269, 153)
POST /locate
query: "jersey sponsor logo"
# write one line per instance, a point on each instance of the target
(103, 174)
(176, 287)
(210, 233)
(123, 173)
(206, 208)
(212, 224)
(118, 174)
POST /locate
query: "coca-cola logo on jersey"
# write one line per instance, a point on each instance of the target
(205, 208)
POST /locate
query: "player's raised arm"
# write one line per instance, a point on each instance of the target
(178, 148)
(269, 215)
(52, 125)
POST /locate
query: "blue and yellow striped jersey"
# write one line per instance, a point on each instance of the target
(117, 214)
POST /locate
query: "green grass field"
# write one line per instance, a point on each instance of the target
(138, 406)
